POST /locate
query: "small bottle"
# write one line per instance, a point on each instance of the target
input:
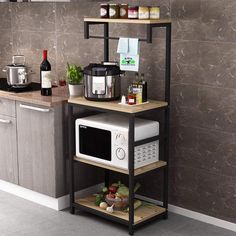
(144, 88)
(45, 76)
(131, 96)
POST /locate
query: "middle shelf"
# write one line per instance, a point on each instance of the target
(138, 171)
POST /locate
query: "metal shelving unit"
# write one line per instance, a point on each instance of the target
(145, 214)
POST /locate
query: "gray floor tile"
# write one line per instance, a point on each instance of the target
(19, 217)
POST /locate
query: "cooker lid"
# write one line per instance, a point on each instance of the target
(16, 65)
(101, 70)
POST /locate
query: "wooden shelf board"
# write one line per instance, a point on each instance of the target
(141, 214)
(137, 171)
(114, 106)
(127, 21)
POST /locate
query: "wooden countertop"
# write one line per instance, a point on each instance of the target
(59, 95)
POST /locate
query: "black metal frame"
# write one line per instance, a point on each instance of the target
(132, 143)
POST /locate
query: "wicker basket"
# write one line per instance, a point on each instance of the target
(119, 204)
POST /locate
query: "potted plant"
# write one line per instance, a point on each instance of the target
(75, 77)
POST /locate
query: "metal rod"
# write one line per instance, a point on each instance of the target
(131, 173)
(107, 177)
(147, 140)
(149, 33)
(112, 38)
(71, 140)
(168, 64)
(167, 116)
(106, 42)
(86, 30)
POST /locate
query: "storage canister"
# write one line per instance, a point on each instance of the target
(124, 11)
(154, 12)
(104, 10)
(133, 12)
(114, 11)
(143, 13)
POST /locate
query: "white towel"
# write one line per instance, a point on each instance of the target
(123, 46)
(129, 54)
(133, 46)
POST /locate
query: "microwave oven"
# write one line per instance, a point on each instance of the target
(104, 139)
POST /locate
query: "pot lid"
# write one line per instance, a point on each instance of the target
(16, 66)
(102, 70)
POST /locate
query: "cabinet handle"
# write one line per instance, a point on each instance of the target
(34, 108)
(5, 121)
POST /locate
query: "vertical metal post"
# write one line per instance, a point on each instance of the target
(71, 140)
(168, 63)
(131, 173)
(149, 33)
(167, 116)
(107, 176)
(106, 42)
(86, 30)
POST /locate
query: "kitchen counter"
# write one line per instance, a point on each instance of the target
(59, 95)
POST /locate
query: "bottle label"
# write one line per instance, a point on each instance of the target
(46, 79)
(122, 12)
(112, 12)
(103, 12)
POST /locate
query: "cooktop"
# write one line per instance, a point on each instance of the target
(31, 87)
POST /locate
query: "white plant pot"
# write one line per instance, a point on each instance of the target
(76, 90)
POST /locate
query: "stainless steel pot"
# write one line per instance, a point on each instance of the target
(102, 82)
(17, 73)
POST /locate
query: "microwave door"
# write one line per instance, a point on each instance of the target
(95, 142)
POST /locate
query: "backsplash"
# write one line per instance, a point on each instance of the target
(203, 90)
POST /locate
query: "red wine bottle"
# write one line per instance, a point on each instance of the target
(45, 76)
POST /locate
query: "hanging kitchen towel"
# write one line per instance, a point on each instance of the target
(130, 61)
(133, 46)
(123, 45)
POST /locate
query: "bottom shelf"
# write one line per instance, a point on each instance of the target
(141, 214)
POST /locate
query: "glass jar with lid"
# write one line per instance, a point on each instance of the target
(143, 13)
(123, 11)
(114, 11)
(104, 10)
(133, 12)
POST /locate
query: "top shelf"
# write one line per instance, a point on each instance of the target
(127, 21)
(114, 106)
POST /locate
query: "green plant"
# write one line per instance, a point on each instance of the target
(74, 74)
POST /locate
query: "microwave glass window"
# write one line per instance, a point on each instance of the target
(95, 142)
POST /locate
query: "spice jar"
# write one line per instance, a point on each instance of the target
(133, 12)
(154, 12)
(104, 10)
(124, 11)
(143, 13)
(114, 11)
(131, 98)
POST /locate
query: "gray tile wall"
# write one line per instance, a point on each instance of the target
(203, 91)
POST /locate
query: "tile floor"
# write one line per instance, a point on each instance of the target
(19, 217)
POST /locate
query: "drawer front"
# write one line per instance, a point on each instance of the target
(7, 107)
